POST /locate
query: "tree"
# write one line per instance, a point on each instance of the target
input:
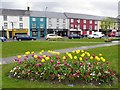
(107, 24)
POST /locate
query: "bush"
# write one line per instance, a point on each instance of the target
(78, 65)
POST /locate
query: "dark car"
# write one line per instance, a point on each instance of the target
(2, 39)
(75, 36)
(85, 35)
(24, 37)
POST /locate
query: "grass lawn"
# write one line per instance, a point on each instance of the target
(15, 48)
(110, 53)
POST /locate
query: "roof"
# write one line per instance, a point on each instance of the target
(14, 12)
(47, 14)
(84, 16)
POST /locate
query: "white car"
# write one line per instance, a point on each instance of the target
(95, 36)
(53, 36)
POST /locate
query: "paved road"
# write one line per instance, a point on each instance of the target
(10, 59)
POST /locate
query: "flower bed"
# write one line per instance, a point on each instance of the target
(78, 65)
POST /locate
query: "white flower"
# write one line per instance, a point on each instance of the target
(18, 76)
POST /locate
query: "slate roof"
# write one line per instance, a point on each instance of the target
(84, 16)
(47, 14)
(14, 12)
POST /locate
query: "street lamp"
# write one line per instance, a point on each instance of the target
(12, 23)
(46, 19)
(2, 31)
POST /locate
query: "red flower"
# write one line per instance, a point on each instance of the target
(39, 57)
(39, 64)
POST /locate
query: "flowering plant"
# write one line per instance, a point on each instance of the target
(77, 65)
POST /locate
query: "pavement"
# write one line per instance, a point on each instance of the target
(11, 59)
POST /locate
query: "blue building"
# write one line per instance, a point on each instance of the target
(37, 24)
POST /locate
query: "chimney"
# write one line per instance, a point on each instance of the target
(28, 8)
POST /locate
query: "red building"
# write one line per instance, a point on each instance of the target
(82, 23)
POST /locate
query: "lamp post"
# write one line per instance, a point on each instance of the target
(12, 23)
(46, 19)
(2, 31)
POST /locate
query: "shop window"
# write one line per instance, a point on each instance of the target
(84, 27)
(34, 33)
(5, 25)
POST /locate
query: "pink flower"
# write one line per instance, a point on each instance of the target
(22, 72)
(39, 57)
(107, 62)
(58, 62)
(54, 65)
(39, 64)
(80, 64)
(25, 58)
(28, 71)
(57, 57)
(20, 62)
(16, 59)
(51, 61)
(65, 63)
(68, 65)
(86, 59)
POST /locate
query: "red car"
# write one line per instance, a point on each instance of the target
(112, 34)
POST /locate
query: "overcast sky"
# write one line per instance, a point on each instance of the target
(93, 7)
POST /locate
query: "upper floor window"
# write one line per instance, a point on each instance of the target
(90, 21)
(84, 21)
(41, 19)
(41, 25)
(20, 18)
(64, 20)
(84, 27)
(5, 25)
(49, 20)
(50, 25)
(78, 21)
(5, 18)
(33, 25)
(57, 20)
(72, 26)
(90, 27)
(21, 25)
(33, 19)
(63, 25)
(95, 22)
(72, 20)
(79, 26)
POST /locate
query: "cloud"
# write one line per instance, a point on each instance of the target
(94, 7)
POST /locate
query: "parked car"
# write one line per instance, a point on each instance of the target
(53, 36)
(85, 35)
(111, 34)
(75, 36)
(24, 37)
(95, 36)
(117, 34)
(3, 39)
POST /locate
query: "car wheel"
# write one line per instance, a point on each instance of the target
(32, 39)
(15, 38)
(19, 40)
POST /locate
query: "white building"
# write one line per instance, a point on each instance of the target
(14, 22)
(57, 23)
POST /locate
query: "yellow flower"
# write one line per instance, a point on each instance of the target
(42, 60)
(32, 52)
(75, 57)
(103, 60)
(80, 58)
(47, 58)
(42, 50)
(83, 55)
(67, 53)
(19, 56)
(24, 55)
(82, 51)
(73, 51)
(64, 57)
(27, 53)
(58, 53)
(97, 58)
(88, 54)
(91, 57)
(35, 56)
(77, 51)
(49, 51)
(44, 56)
(100, 54)
(40, 53)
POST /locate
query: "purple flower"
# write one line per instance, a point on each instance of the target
(20, 62)
(16, 59)
(32, 55)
